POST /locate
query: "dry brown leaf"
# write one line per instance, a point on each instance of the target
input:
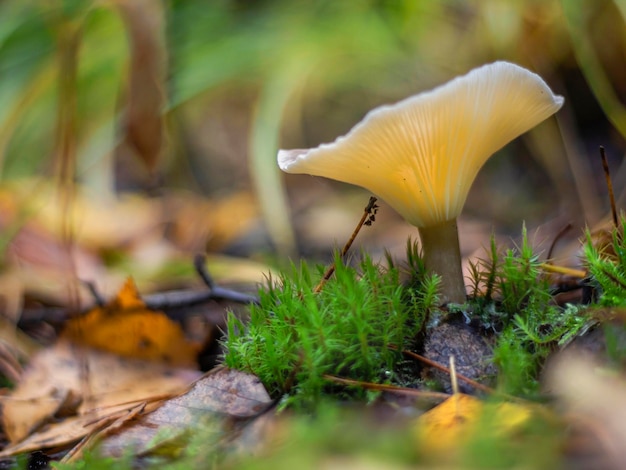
(109, 424)
(222, 393)
(79, 380)
(73, 429)
(127, 328)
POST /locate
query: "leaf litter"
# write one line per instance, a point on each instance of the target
(112, 358)
(110, 368)
(218, 399)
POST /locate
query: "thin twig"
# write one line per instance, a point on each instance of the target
(453, 377)
(369, 216)
(445, 369)
(187, 298)
(169, 300)
(199, 263)
(551, 268)
(467, 380)
(93, 290)
(609, 185)
(217, 292)
(387, 388)
(558, 236)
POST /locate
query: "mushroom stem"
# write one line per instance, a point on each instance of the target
(442, 256)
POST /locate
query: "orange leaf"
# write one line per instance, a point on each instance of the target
(127, 328)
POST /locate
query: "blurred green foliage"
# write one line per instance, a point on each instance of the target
(243, 77)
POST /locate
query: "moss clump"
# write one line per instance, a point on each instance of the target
(607, 266)
(356, 325)
(355, 328)
(518, 307)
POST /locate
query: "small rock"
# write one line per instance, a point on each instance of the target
(472, 354)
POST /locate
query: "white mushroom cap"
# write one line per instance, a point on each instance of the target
(421, 155)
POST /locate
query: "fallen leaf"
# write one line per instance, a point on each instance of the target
(443, 426)
(220, 395)
(72, 429)
(69, 380)
(449, 425)
(112, 424)
(127, 328)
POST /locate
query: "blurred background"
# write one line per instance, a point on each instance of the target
(134, 133)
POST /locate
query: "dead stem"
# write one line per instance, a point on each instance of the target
(609, 185)
(558, 236)
(387, 388)
(579, 273)
(445, 369)
(369, 216)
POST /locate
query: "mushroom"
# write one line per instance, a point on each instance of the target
(421, 155)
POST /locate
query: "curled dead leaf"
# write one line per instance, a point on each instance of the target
(128, 328)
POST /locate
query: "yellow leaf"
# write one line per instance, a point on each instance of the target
(449, 425)
(446, 424)
(127, 328)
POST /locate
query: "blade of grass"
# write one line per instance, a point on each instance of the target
(278, 90)
(575, 15)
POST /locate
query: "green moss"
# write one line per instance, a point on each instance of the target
(355, 328)
(520, 310)
(607, 266)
